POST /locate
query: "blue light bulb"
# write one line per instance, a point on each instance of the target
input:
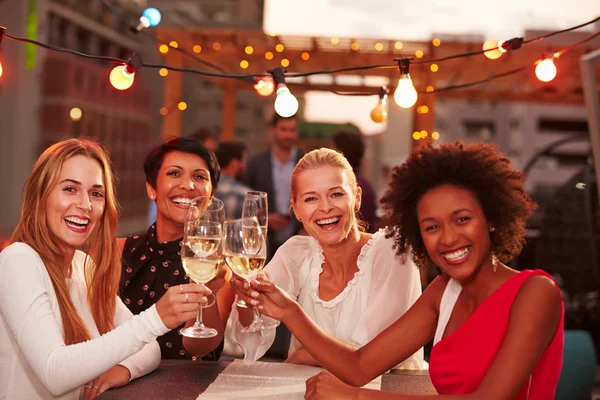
(153, 16)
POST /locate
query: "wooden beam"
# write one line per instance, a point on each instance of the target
(172, 95)
(228, 116)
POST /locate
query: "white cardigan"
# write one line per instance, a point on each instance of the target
(380, 292)
(35, 363)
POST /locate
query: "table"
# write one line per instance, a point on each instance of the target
(186, 379)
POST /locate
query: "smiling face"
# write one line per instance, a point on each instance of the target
(181, 177)
(326, 204)
(76, 202)
(454, 230)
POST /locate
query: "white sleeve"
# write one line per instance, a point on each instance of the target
(283, 270)
(395, 287)
(25, 304)
(148, 358)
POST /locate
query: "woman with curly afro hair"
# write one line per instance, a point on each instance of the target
(498, 333)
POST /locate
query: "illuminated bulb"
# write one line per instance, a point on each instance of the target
(406, 94)
(286, 104)
(354, 46)
(305, 56)
(545, 70)
(265, 87)
(378, 46)
(216, 46)
(436, 42)
(285, 62)
(279, 48)
(398, 45)
(75, 114)
(120, 78)
(182, 105)
(244, 64)
(435, 135)
(152, 15)
(163, 48)
(197, 49)
(163, 72)
(164, 111)
(419, 53)
(423, 134)
(0, 69)
(379, 113)
(174, 44)
(434, 68)
(416, 135)
(335, 40)
(269, 55)
(429, 89)
(249, 50)
(492, 44)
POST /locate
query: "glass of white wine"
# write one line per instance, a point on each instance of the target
(245, 251)
(256, 204)
(202, 251)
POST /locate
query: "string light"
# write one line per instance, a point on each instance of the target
(2, 32)
(286, 104)
(163, 72)
(164, 111)
(150, 17)
(434, 68)
(335, 40)
(436, 42)
(285, 62)
(216, 46)
(398, 45)
(174, 44)
(122, 76)
(378, 46)
(435, 135)
(197, 49)
(75, 114)
(405, 95)
(264, 86)
(163, 48)
(269, 55)
(249, 50)
(244, 64)
(419, 54)
(545, 70)
(379, 113)
(491, 49)
(182, 105)
(305, 56)
(279, 48)
(354, 46)
(416, 135)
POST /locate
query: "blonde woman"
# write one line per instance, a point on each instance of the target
(63, 331)
(349, 282)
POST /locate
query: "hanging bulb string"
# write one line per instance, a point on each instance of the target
(536, 39)
(571, 47)
(322, 72)
(478, 82)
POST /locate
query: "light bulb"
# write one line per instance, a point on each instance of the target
(152, 15)
(545, 70)
(405, 95)
(75, 113)
(264, 87)
(0, 69)
(120, 78)
(492, 54)
(379, 113)
(286, 104)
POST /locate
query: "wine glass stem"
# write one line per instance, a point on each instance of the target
(199, 322)
(256, 320)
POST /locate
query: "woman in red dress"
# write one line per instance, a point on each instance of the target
(498, 333)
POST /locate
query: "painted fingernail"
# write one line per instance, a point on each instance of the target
(260, 307)
(254, 294)
(254, 302)
(246, 286)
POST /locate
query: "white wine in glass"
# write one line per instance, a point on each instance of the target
(202, 253)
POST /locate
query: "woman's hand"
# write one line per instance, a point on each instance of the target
(327, 386)
(181, 303)
(271, 299)
(302, 357)
(115, 377)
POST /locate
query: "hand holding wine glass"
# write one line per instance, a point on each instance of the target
(202, 251)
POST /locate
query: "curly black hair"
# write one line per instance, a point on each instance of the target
(478, 167)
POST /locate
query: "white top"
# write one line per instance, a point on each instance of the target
(35, 363)
(381, 291)
(449, 298)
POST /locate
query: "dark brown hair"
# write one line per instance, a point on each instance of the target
(478, 167)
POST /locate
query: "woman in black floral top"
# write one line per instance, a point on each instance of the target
(176, 172)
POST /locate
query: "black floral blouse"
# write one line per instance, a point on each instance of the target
(149, 269)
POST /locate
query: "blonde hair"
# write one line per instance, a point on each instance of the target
(102, 278)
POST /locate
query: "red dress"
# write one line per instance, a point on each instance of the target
(460, 361)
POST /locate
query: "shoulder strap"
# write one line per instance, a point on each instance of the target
(449, 298)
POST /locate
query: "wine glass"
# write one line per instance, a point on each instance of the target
(245, 251)
(202, 251)
(255, 205)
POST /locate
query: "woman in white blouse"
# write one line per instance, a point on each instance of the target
(349, 282)
(64, 333)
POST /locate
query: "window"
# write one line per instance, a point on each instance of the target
(555, 125)
(480, 130)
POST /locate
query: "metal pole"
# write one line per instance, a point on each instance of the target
(592, 104)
